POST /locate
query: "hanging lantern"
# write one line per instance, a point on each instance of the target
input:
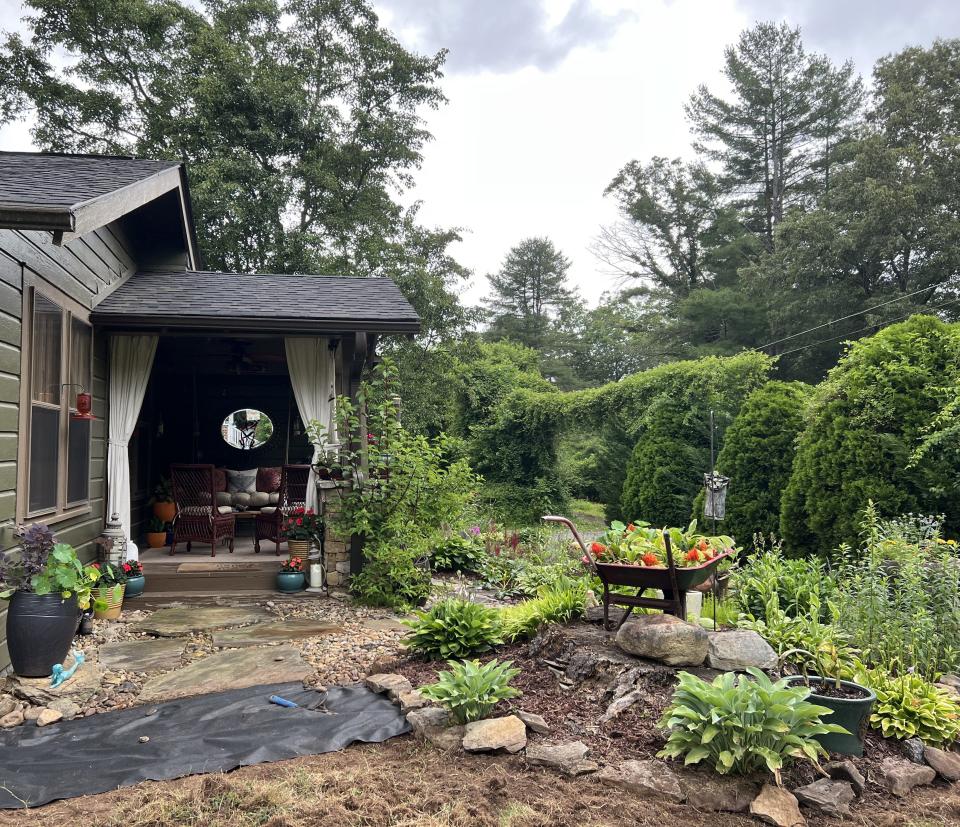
(715, 503)
(112, 542)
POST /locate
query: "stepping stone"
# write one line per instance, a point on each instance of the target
(182, 621)
(384, 624)
(229, 670)
(147, 655)
(282, 631)
(79, 688)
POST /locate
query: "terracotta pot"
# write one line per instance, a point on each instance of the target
(299, 548)
(113, 597)
(165, 511)
(156, 539)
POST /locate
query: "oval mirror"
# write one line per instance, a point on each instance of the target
(246, 429)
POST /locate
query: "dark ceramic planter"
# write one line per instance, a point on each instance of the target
(135, 586)
(290, 581)
(853, 714)
(40, 629)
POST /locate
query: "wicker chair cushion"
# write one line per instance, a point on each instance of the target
(259, 499)
(268, 480)
(201, 511)
(219, 480)
(241, 499)
(242, 482)
(224, 498)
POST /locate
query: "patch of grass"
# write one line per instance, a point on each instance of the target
(587, 515)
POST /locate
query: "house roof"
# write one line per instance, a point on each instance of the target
(74, 194)
(204, 300)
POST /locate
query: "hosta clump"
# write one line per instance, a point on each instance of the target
(742, 725)
(470, 690)
(454, 628)
(908, 706)
(560, 602)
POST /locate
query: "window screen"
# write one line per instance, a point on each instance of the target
(44, 457)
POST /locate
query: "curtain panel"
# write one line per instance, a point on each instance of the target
(312, 367)
(131, 359)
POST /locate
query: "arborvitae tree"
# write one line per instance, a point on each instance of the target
(866, 421)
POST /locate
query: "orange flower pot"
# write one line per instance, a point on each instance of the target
(156, 539)
(165, 511)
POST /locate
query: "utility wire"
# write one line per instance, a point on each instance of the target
(862, 329)
(844, 318)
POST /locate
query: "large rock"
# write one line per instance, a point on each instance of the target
(664, 638)
(945, 763)
(832, 798)
(388, 684)
(913, 750)
(411, 700)
(846, 771)
(737, 650)
(229, 670)
(778, 806)
(719, 793)
(435, 726)
(508, 733)
(143, 655)
(7, 704)
(282, 631)
(79, 687)
(649, 779)
(183, 621)
(570, 757)
(900, 777)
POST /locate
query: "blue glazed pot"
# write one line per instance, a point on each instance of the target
(290, 581)
(135, 586)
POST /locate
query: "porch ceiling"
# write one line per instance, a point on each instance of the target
(255, 303)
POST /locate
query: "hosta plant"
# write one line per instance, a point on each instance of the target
(740, 725)
(908, 706)
(454, 628)
(560, 602)
(469, 691)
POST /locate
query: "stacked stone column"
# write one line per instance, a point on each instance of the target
(336, 548)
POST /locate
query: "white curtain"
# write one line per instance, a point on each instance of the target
(312, 366)
(131, 358)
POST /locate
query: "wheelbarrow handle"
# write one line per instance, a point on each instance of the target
(549, 518)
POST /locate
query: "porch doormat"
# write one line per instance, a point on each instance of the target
(187, 568)
(205, 733)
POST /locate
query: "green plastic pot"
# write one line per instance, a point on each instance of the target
(135, 586)
(853, 714)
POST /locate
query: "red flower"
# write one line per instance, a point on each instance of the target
(650, 559)
(631, 527)
(585, 560)
(693, 555)
(300, 521)
(96, 565)
(126, 567)
(598, 549)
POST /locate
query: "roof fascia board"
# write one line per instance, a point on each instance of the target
(56, 219)
(291, 327)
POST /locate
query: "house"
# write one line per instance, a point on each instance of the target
(102, 291)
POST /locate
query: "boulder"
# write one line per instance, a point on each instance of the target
(648, 779)
(945, 763)
(434, 725)
(664, 638)
(388, 684)
(12, 719)
(411, 700)
(951, 680)
(900, 777)
(48, 716)
(534, 723)
(846, 771)
(832, 798)
(719, 794)
(778, 806)
(508, 733)
(737, 650)
(913, 750)
(569, 757)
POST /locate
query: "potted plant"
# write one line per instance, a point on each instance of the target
(850, 702)
(290, 578)
(109, 589)
(47, 587)
(164, 508)
(156, 533)
(302, 528)
(136, 582)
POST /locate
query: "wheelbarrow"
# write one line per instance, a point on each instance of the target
(672, 582)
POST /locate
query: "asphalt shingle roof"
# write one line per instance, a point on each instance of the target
(195, 298)
(50, 182)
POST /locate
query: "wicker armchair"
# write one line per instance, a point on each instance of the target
(268, 524)
(199, 518)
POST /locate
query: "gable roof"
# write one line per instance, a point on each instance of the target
(75, 194)
(195, 299)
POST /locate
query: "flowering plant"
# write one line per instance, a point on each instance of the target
(110, 575)
(294, 564)
(302, 524)
(132, 568)
(639, 544)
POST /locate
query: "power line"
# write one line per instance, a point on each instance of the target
(844, 318)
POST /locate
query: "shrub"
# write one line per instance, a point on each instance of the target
(454, 628)
(757, 455)
(742, 725)
(390, 575)
(908, 706)
(455, 552)
(865, 422)
(559, 602)
(470, 690)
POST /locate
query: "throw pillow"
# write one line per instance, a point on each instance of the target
(242, 482)
(268, 480)
(219, 480)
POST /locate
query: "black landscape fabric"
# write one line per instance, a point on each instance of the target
(205, 733)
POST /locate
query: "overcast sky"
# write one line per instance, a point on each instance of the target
(549, 98)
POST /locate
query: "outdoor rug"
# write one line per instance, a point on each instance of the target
(201, 734)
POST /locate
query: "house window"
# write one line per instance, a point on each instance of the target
(58, 459)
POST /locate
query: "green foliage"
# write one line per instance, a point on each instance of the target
(865, 422)
(456, 552)
(793, 638)
(469, 691)
(558, 602)
(454, 628)
(757, 455)
(155, 525)
(740, 725)
(390, 576)
(517, 565)
(908, 706)
(66, 575)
